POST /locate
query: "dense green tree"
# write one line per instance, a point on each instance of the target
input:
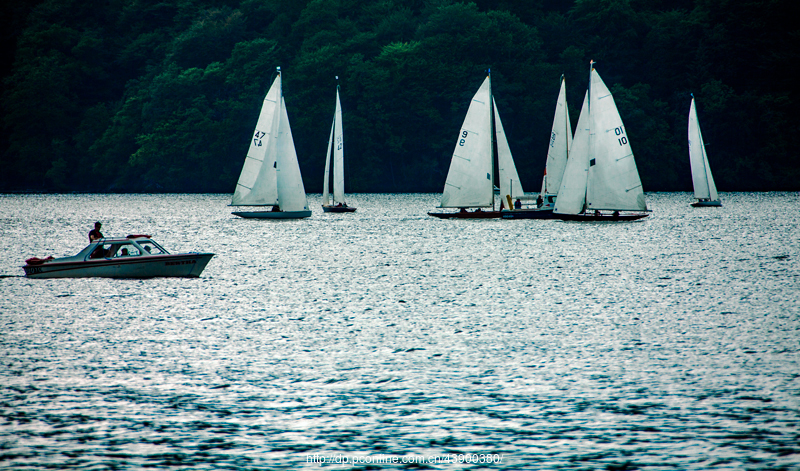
(116, 95)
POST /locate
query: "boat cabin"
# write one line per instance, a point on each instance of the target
(131, 246)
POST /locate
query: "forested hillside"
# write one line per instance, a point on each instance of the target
(148, 96)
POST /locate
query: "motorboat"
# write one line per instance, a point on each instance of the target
(134, 256)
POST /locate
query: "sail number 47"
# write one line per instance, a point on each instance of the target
(620, 131)
(257, 138)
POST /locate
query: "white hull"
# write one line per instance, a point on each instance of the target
(273, 214)
(179, 265)
(706, 204)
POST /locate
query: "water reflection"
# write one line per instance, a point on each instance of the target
(662, 344)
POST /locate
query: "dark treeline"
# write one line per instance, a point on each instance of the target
(127, 95)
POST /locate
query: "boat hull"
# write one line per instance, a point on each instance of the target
(528, 214)
(706, 204)
(156, 266)
(338, 209)
(601, 217)
(467, 215)
(273, 214)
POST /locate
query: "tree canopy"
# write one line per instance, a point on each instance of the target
(141, 96)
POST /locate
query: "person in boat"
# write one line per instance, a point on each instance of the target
(462, 210)
(615, 214)
(597, 213)
(479, 210)
(95, 233)
(98, 252)
(518, 203)
(539, 202)
(276, 209)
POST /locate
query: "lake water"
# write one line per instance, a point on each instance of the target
(386, 337)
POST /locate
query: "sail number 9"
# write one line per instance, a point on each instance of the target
(463, 139)
(620, 131)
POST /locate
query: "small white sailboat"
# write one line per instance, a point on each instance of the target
(557, 151)
(334, 202)
(600, 178)
(470, 180)
(704, 189)
(271, 175)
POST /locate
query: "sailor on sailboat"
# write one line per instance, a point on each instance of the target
(704, 189)
(335, 143)
(600, 178)
(470, 179)
(271, 175)
(557, 151)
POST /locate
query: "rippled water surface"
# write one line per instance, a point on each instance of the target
(669, 343)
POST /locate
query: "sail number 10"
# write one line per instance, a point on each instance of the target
(620, 131)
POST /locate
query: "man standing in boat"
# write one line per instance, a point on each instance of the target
(95, 233)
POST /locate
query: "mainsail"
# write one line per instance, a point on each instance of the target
(291, 193)
(560, 144)
(572, 192)
(338, 153)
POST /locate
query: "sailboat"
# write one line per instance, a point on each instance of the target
(271, 175)
(557, 151)
(704, 189)
(336, 204)
(470, 179)
(600, 179)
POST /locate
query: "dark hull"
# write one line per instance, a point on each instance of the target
(338, 209)
(529, 214)
(468, 215)
(600, 218)
(273, 214)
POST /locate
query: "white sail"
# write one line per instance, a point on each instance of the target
(338, 153)
(704, 187)
(572, 192)
(326, 196)
(506, 170)
(291, 193)
(257, 184)
(560, 144)
(613, 182)
(469, 180)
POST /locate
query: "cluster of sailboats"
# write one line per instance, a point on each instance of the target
(588, 176)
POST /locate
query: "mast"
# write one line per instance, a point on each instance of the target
(567, 125)
(591, 130)
(491, 133)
